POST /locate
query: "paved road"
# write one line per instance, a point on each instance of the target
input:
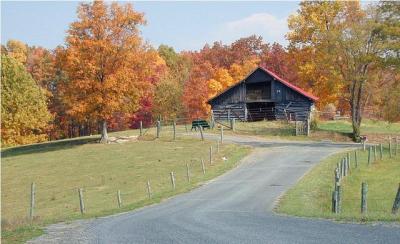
(234, 208)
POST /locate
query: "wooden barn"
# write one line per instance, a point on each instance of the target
(262, 95)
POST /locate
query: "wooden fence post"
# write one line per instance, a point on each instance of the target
(211, 152)
(212, 119)
(173, 180)
(337, 177)
(390, 147)
(81, 203)
(348, 160)
(32, 206)
(222, 134)
(140, 128)
(364, 190)
(369, 155)
(374, 153)
(217, 146)
(363, 144)
(188, 173)
(186, 129)
(355, 158)
(396, 203)
(341, 168)
(174, 127)
(338, 199)
(203, 167)
(158, 128)
(119, 199)
(344, 166)
(201, 132)
(397, 146)
(381, 151)
(149, 193)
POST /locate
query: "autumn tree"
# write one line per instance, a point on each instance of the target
(168, 98)
(102, 61)
(24, 115)
(17, 50)
(345, 43)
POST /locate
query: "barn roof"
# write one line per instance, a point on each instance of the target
(276, 77)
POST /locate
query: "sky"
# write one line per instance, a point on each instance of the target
(182, 25)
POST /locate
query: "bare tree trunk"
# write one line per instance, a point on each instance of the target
(356, 109)
(104, 135)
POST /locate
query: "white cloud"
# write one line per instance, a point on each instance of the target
(271, 28)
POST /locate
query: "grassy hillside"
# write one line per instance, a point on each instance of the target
(311, 197)
(59, 168)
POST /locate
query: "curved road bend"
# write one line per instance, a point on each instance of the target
(233, 208)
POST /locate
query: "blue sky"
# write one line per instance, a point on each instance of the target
(182, 25)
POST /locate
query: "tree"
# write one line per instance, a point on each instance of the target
(103, 64)
(24, 115)
(17, 50)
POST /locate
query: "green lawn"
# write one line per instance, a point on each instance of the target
(59, 168)
(337, 130)
(312, 195)
(367, 127)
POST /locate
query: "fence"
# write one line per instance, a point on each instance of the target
(343, 170)
(91, 195)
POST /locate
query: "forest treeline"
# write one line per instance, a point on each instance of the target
(106, 77)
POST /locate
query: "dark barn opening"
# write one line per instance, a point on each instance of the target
(257, 111)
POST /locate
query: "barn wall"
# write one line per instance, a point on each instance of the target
(298, 110)
(232, 103)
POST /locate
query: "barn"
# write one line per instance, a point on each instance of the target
(262, 95)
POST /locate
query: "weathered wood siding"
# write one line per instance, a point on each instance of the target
(288, 103)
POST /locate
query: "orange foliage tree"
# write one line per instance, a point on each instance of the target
(103, 62)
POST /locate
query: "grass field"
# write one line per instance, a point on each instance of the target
(59, 168)
(311, 197)
(337, 130)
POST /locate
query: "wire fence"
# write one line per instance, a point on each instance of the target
(100, 194)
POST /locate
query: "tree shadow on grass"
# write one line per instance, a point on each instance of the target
(47, 146)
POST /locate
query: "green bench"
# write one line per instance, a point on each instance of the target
(198, 122)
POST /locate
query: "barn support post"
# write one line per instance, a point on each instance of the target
(308, 126)
(232, 121)
(229, 114)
